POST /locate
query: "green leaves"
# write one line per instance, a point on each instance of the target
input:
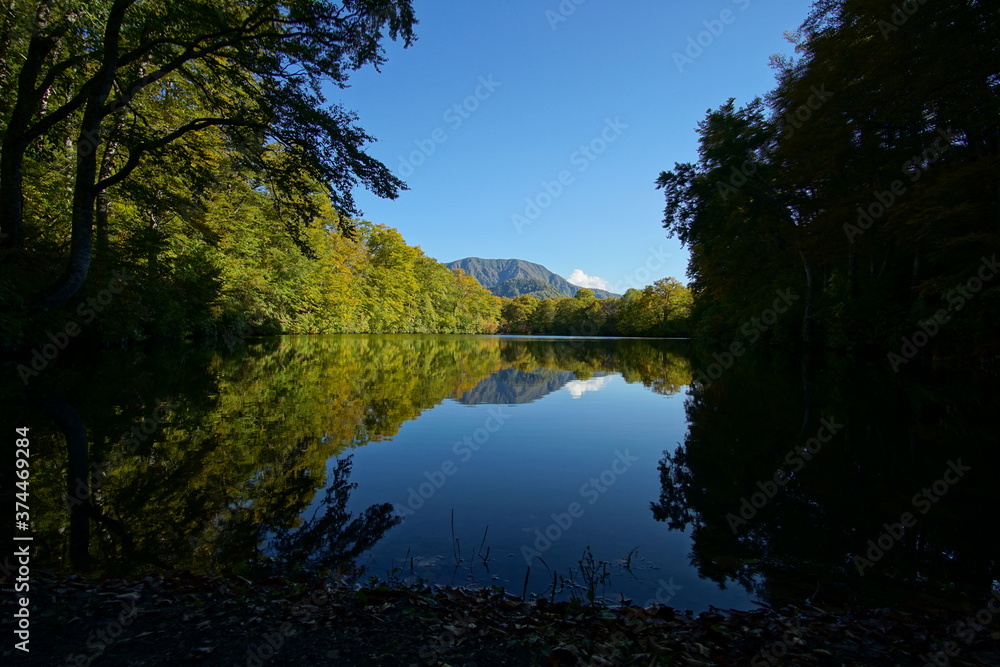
(661, 309)
(862, 181)
(124, 83)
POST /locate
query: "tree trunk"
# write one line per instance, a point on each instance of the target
(14, 144)
(807, 314)
(84, 188)
(84, 197)
(11, 200)
(102, 201)
(16, 139)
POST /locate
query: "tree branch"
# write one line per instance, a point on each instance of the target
(136, 152)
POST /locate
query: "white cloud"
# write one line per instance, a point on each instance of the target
(580, 278)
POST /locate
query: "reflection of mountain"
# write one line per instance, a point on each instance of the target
(509, 386)
(182, 456)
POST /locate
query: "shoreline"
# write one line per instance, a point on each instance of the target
(183, 618)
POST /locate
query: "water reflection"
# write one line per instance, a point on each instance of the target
(202, 459)
(224, 459)
(812, 538)
(331, 538)
(511, 386)
(577, 388)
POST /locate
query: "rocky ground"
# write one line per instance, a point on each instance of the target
(191, 619)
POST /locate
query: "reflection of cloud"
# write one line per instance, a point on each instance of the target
(578, 388)
(581, 279)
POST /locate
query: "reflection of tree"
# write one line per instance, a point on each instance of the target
(895, 440)
(333, 538)
(77, 467)
(83, 493)
(249, 431)
(660, 365)
(244, 443)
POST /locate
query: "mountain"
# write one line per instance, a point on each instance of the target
(517, 286)
(514, 277)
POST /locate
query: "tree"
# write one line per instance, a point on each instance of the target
(389, 281)
(478, 309)
(672, 303)
(542, 320)
(517, 314)
(252, 72)
(731, 209)
(635, 315)
(865, 183)
(565, 317)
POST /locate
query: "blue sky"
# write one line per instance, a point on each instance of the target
(536, 130)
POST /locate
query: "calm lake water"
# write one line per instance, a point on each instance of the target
(599, 464)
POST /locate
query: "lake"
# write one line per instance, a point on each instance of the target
(559, 467)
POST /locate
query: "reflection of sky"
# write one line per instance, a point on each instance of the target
(578, 388)
(536, 463)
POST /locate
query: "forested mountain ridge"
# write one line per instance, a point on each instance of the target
(515, 287)
(516, 277)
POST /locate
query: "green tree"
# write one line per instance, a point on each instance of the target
(542, 320)
(389, 282)
(88, 70)
(866, 184)
(478, 310)
(517, 314)
(672, 303)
